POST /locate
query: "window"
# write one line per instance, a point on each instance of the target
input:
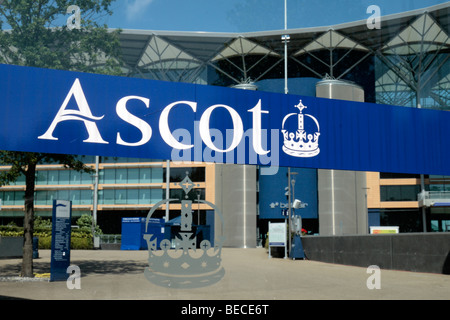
(53, 177)
(109, 176)
(41, 177)
(193, 195)
(440, 187)
(399, 193)
(19, 181)
(156, 195)
(75, 177)
(106, 196)
(196, 174)
(157, 175)
(86, 196)
(64, 177)
(132, 196)
(145, 175)
(121, 196)
(86, 178)
(133, 175)
(51, 195)
(389, 175)
(40, 198)
(144, 196)
(63, 194)
(121, 175)
(11, 198)
(74, 196)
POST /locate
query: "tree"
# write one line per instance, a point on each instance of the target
(40, 34)
(85, 223)
(25, 163)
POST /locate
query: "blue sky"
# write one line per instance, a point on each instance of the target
(247, 15)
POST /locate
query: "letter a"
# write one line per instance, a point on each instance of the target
(374, 21)
(74, 280)
(84, 111)
(374, 281)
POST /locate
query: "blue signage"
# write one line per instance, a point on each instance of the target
(273, 203)
(78, 113)
(61, 229)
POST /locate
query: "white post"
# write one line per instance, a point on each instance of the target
(95, 202)
(167, 189)
(285, 50)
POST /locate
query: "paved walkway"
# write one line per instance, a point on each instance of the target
(249, 275)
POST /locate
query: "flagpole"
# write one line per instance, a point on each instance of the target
(285, 38)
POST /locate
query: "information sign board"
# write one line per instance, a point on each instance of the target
(277, 236)
(61, 228)
(383, 230)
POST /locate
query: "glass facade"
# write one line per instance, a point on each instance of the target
(399, 193)
(12, 198)
(131, 175)
(130, 196)
(62, 177)
(129, 185)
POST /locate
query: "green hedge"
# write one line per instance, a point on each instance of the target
(81, 238)
(78, 240)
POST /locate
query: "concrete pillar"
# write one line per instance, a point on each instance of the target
(341, 194)
(236, 198)
(236, 188)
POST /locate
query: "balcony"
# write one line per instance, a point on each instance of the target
(434, 199)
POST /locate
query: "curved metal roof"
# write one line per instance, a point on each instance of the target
(206, 46)
(410, 52)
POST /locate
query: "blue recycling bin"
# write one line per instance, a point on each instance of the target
(156, 227)
(133, 230)
(131, 234)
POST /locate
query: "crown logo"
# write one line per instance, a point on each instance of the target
(179, 263)
(297, 141)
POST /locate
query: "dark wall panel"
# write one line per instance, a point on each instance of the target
(419, 252)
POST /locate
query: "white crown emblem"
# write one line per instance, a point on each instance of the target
(179, 263)
(297, 141)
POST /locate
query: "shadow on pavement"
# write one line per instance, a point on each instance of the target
(87, 267)
(110, 267)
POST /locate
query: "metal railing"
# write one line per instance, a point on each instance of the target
(433, 195)
(110, 238)
(428, 198)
